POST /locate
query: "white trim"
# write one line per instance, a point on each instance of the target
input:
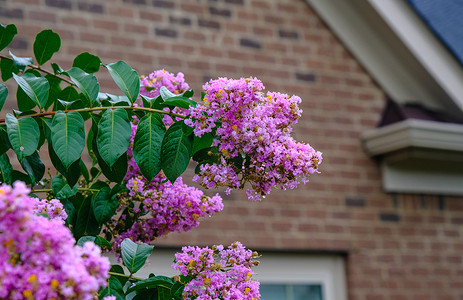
(327, 270)
(420, 157)
(423, 176)
(385, 56)
(413, 133)
(425, 46)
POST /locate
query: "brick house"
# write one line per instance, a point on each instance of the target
(384, 219)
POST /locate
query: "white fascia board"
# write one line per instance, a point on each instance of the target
(413, 133)
(424, 45)
(382, 52)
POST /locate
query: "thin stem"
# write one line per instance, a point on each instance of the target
(95, 178)
(50, 190)
(87, 190)
(42, 70)
(50, 113)
(126, 276)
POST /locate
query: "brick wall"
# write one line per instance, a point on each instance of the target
(398, 246)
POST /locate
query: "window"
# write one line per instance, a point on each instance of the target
(299, 276)
(280, 291)
(283, 276)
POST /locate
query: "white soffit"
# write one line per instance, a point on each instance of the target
(425, 46)
(368, 34)
(414, 133)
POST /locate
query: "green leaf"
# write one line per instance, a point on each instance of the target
(20, 63)
(85, 239)
(86, 223)
(175, 151)
(147, 145)
(24, 102)
(6, 35)
(61, 188)
(188, 94)
(164, 293)
(34, 167)
(180, 102)
(114, 288)
(23, 134)
(87, 83)
(97, 240)
(70, 211)
(119, 270)
(4, 141)
(102, 243)
(113, 135)
(166, 94)
(103, 205)
(7, 68)
(156, 103)
(55, 90)
(187, 129)
(147, 295)
(36, 88)
(203, 142)
(16, 175)
(68, 136)
(3, 94)
(114, 100)
(152, 282)
(84, 170)
(126, 78)
(176, 290)
(46, 43)
(72, 174)
(56, 68)
(205, 156)
(117, 172)
(134, 255)
(6, 169)
(88, 62)
(46, 122)
(66, 98)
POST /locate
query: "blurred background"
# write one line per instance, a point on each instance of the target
(381, 88)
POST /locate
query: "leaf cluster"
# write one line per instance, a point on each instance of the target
(66, 111)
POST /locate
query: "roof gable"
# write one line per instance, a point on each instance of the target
(445, 20)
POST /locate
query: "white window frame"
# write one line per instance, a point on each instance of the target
(279, 268)
(301, 268)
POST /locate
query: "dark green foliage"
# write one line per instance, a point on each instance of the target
(54, 107)
(88, 62)
(46, 43)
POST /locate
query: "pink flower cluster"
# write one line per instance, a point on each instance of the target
(38, 258)
(218, 273)
(151, 85)
(52, 208)
(163, 207)
(159, 207)
(254, 143)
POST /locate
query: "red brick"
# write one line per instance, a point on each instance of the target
(418, 257)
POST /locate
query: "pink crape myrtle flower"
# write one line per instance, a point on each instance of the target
(38, 256)
(159, 206)
(218, 272)
(254, 127)
(150, 86)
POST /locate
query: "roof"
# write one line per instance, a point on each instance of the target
(395, 112)
(445, 19)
